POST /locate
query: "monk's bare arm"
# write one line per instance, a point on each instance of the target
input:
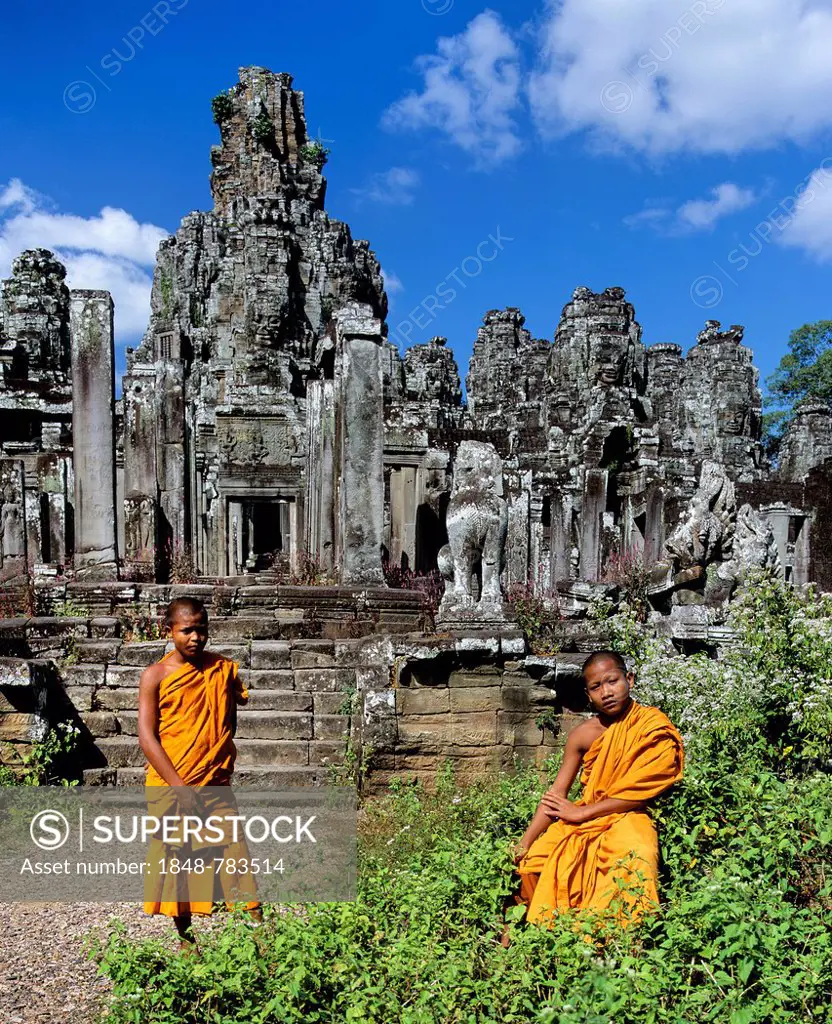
(240, 690)
(612, 805)
(576, 747)
(149, 726)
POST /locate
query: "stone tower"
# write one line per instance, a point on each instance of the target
(242, 323)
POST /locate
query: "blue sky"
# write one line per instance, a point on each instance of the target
(681, 150)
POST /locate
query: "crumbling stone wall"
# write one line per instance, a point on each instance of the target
(358, 710)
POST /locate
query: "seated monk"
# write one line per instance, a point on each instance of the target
(601, 852)
(187, 719)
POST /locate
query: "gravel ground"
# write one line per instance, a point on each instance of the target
(44, 975)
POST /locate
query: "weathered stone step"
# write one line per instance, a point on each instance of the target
(278, 752)
(273, 725)
(117, 698)
(278, 700)
(283, 777)
(268, 679)
(124, 752)
(264, 725)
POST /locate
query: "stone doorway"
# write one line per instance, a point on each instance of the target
(261, 534)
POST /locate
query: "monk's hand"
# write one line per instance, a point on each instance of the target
(563, 809)
(187, 799)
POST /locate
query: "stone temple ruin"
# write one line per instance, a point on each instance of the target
(267, 424)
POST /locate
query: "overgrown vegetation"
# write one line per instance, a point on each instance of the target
(429, 585)
(539, 617)
(744, 934)
(628, 571)
(262, 128)
(45, 763)
(222, 107)
(315, 152)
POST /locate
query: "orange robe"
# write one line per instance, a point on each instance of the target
(611, 862)
(196, 719)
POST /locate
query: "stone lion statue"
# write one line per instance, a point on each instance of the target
(477, 522)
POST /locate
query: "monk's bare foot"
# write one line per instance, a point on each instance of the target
(187, 939)
(256, 915)
(505, 938)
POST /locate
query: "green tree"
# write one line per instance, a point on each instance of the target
(804, 372)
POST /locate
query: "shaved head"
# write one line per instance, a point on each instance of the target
(184, 606)
(597, 656)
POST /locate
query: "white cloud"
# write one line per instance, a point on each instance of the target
(810, 225)
(702, 214)
(471, 91)
(710, 76)
(393, 188)
(695, 214)
(650, 216)
(16, 194)
(392, 283)
(112, 250)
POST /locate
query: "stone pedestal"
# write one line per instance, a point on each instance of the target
(93, 408)
(360, 445)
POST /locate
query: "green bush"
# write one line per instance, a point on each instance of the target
(222, 107)
(315, 152)
(744, 934)
(262, 128)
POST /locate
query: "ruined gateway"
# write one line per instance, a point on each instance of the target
(266, 419)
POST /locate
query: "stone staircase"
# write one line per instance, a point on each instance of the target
(294, 731)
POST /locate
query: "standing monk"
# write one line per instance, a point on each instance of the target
(187, 719)
(602, 851)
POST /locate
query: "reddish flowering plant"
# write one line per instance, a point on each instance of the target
(629, 571)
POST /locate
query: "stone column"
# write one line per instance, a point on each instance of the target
(654, 526)
(320, 472)
(594, 505)
(235, 537)
(286, 509)
(779, 518)
(360, 445)
(403, 504)
(249, 516)
(93, 434)
(141, 414)
(561, 513)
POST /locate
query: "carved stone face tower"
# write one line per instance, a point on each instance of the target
(242, 322)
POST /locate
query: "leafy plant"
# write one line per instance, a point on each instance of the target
(631, 574)
(138, 627)
(538, 617)
(548, 719)
(743, 935)
(222, 107)
(69, 609)
(181, 562)
(262, 128)
(315, 152)
(46, 759)
(430, 585)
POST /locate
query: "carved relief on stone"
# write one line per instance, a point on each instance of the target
(12, 522)
(477, 523)
(245, 441)
(754, 544)
(140, 527)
